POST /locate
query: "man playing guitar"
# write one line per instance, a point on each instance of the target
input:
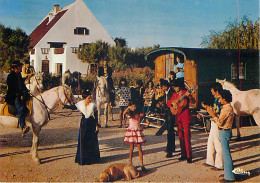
(179, 105)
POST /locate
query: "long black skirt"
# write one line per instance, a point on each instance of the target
(88, 148)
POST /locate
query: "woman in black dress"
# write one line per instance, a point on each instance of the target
(88, 148)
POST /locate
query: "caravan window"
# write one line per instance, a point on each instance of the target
(238, 72)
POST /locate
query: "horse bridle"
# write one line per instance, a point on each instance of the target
(99, 90)
(67, 97)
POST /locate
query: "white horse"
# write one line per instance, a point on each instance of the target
(102, 97)
(35, 84)
(244, 103)
(42, 105)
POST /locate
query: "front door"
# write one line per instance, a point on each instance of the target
(45, 66)
(59, 68)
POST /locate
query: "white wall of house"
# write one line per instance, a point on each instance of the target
(77, 15)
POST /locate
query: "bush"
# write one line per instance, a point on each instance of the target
(50, 81)
(145, 74)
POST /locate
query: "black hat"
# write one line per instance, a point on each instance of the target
(177, 83)
(16, 63)
(86, 93)
(165, 83)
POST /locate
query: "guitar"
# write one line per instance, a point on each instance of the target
(179, 103)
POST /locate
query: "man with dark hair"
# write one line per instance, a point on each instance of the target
(214, 149)
(169, 118)
(17, 94)
(106, 71)
(182, 113)
(224, 120)
(27, 71)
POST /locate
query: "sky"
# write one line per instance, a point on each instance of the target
(143, 23)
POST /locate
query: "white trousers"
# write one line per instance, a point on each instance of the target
(214, 148)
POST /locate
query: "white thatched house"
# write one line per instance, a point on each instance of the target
(56, 40)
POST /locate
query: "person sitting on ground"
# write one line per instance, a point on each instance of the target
(27, 71)
(18, 94)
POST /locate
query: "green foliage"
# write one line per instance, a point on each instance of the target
(132, 75)
(244, 36)
(14, 45)
(50, 81)
(93, 52)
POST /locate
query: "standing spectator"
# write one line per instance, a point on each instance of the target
(148, 97)
(27, 71)
(124, 96)
(224, 121)
(182, 120)
(214, 149)
(88, 148)
(137, 94)
(171, 77)
(134, 134)
(169, 118)
(179, 69)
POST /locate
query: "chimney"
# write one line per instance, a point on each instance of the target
(56, 8)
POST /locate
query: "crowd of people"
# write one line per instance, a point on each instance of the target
(168, 100)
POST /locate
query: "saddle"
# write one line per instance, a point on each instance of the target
(10, 110)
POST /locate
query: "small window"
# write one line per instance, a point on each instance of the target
(45, 50)
(74, 49)
(81, 31)
(238, 72)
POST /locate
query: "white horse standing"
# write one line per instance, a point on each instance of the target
(42, 105)
(244, 103)
(102, 97)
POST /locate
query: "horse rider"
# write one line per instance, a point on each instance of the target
(18, 94)
(106, 71)
(27, 71)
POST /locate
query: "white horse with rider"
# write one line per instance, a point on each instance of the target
(103, 98)
(42, 105)
(244, 103)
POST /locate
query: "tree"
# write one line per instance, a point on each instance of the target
(93, 52)
(244, 36)
(13, 46)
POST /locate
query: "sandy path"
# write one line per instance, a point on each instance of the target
(57, 150)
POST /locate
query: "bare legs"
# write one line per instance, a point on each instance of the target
(140, 153)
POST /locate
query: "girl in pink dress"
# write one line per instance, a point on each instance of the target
(134, 134)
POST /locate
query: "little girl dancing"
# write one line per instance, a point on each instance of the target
(134, 134)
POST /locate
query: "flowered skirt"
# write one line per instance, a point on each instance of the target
(134, 136)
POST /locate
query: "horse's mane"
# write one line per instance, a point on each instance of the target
(231, 84)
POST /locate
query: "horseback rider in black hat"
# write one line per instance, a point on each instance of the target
(105, 70)
(17, 94)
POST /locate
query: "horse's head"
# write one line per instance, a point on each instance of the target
(66, 96)
(36, 83)
(102, 87)
(226, 84)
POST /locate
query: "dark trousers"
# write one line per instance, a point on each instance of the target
(22, 110)
(170, 121)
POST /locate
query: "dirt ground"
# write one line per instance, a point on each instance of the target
(57, 148)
